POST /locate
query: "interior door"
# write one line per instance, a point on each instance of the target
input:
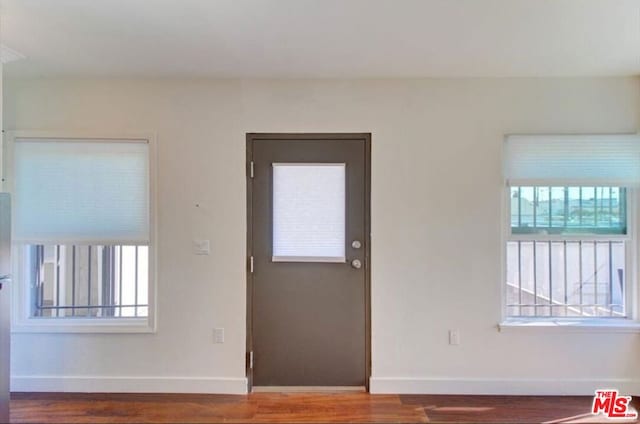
(5, 266)
(309, 259)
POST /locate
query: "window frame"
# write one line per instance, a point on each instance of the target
(22, 322)
(591, 323)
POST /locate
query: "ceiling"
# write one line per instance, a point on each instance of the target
(322, 38)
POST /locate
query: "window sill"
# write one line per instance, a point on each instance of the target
(56, 325)
(571, 325)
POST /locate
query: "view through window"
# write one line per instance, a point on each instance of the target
(566, 253)
(87, 281)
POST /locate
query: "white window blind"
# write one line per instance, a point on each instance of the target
(81, 190)
(309, 212)
(580, 160)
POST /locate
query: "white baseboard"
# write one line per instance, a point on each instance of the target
(400, 385)
(102, 384)
(453, 386)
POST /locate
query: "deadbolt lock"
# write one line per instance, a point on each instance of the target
(356, 263)
(356, 244)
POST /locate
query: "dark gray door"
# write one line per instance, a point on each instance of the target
(309, 243)
(5, 266)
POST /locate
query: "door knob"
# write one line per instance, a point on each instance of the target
(356, 244)
(4, 279)
(356, 263)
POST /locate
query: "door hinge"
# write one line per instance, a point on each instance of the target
(251, 359)
(251, 264)
(251, 169)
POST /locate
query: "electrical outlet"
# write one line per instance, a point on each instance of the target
(201, 247)
(218, 335)
(454, 337)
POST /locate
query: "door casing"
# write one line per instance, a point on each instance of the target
(256, 137)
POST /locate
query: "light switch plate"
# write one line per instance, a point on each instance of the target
(218, 335)
(201, 247)
(454, 337)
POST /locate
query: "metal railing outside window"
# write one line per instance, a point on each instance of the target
(566, 255)
(566, 278)
(87, 281)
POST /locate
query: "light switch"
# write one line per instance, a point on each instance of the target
(201, 247)
(454, 337)
(218, 335)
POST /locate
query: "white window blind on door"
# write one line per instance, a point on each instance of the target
(580, 160)
(309, 212)
(81, 190)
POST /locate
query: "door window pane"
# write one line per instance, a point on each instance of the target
(309, 212)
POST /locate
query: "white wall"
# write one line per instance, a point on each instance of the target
(436, 205)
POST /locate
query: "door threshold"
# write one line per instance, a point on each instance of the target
(308, 389)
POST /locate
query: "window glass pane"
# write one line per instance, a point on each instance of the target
(558, 207)
(588, 211)
(574, 213)
(309, 212)
(526, 206)
(542, 207)
(81, 281)
(515, 207)
(568, 210)
(541, 282)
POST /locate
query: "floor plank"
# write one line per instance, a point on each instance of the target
(504, 409)
(295, 407)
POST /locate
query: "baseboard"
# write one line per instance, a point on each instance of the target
(480, 386)
(98, 384)
(102, 384)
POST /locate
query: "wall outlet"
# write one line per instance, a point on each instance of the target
(454, 337)
(201, 247)
(218, 335)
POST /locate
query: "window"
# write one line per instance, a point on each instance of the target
(569, 232)
(82, 231)
(566, 256)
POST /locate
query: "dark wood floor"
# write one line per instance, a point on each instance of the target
(296, 407)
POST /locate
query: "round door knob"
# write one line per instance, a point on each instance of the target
(356, 263)
(356, 244)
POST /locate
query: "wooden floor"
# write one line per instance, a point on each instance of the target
(296, 407)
